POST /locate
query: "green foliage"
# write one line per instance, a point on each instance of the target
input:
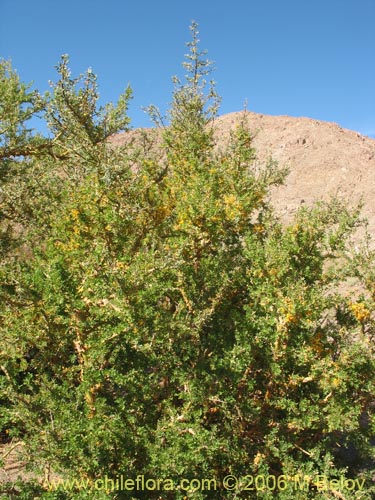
(17, 106)
(158, 319)
(73, 115)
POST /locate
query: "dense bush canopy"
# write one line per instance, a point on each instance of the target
(157, 319)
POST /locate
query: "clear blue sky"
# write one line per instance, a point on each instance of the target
(310, 58)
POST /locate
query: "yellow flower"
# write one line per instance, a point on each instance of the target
(258, 458)
(75, 213)
(230, 199)
(360, 311)
(316, 342)
(290, 318)
(232, 206)
(258, 228)
(336, 382)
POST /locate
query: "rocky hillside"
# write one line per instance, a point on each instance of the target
(324, 159)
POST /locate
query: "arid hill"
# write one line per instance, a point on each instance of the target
(324, 160)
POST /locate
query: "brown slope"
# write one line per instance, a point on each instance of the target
(324, 160)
